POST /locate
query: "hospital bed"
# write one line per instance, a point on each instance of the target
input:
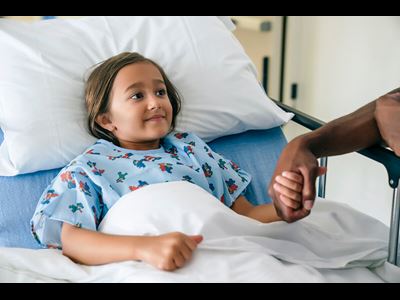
(255, 151)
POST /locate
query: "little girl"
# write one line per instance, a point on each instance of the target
(132, 109)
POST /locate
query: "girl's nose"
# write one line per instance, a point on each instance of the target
(154, 102)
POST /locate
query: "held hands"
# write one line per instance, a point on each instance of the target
(170, 251)
(387, 116)
(289, 187)
(293, 193)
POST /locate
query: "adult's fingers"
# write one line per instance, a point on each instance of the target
(291, 215)
(309, 177)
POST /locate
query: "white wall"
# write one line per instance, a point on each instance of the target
(340, 64)
(258, 44)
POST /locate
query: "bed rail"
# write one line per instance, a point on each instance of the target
(378, 153)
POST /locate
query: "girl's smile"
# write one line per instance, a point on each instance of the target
(156, 118)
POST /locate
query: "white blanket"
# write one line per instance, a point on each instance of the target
(334, 244)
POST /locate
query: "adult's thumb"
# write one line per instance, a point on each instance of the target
(196, 238)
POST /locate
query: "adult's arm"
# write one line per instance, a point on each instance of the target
(387, 115)
(349, 133)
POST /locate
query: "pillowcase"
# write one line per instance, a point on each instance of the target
(42, 110)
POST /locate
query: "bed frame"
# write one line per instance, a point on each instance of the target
(378, 153)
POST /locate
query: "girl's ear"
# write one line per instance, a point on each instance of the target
(104, 121)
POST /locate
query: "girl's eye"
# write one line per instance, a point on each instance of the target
(137, 96)
(161, 92)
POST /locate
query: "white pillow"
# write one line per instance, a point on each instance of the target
(43, 64)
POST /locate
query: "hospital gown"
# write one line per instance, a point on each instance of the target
(85, 189)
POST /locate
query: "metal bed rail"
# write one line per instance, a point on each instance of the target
(378, 153)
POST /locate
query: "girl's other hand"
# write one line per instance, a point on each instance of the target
(169, 251)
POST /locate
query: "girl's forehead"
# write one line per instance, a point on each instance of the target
(138, 71)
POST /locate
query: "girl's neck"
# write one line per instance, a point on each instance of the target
(147, 145)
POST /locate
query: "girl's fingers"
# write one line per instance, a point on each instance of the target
(186, 252)
(289, 202)
(296, 196)
(179, 260)
(293, 176)
(288, 183)
(191, 243)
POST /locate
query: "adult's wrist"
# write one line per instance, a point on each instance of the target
(306, 142)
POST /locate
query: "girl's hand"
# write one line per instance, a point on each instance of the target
(290, 186)
(169, 251)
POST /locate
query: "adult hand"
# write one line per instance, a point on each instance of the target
(296, 158)
(387, 116)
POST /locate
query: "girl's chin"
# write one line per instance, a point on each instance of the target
(159, 132)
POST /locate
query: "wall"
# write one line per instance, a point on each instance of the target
(340, 64)
(258, 44)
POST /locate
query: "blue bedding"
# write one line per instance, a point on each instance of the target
(255, 151)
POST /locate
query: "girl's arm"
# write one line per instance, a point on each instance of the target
(265, 213)
(167, 252)
(289, 185)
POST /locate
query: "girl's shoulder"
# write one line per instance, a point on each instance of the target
(99, 148)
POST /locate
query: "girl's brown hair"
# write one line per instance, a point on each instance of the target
(99, 85)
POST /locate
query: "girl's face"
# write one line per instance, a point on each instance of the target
(140, 112)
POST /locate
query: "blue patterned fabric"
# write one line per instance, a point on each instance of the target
(255, 151)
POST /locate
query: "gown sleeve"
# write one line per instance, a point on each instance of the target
(71, 197)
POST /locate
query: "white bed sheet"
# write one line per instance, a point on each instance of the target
(334, 244)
